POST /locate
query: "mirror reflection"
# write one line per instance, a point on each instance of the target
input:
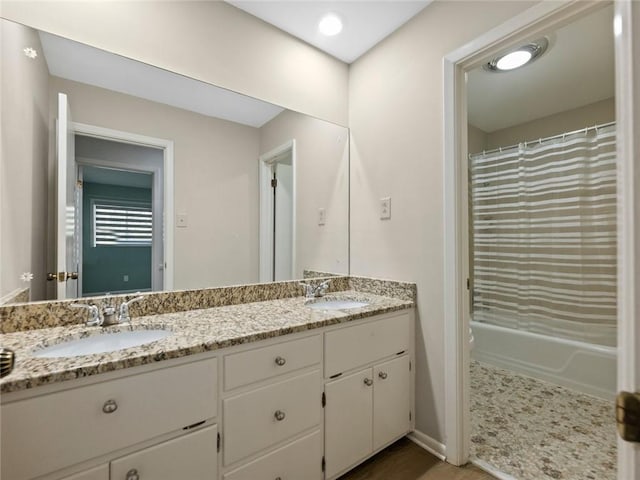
(122, 177)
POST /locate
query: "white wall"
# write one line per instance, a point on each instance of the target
(395, 116)
(23, 163)
(595, 113)
(216, 180)
(207, 40)
(322, 178)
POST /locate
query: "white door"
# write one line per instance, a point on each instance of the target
(68, 192)
(391, 402)
(283, 222)
(627, 37)
(348, 429)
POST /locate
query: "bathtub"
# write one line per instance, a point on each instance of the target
(577, 365)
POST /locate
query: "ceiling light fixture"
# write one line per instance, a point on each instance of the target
(518, 57)
(330, 25)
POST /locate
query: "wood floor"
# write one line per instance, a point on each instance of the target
(404, 460)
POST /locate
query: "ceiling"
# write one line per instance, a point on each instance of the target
(82, 63)
(366, 22)
(576, 70)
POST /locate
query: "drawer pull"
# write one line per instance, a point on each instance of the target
(279, 415)
(133, 475)
(278, 478)
(110, 406)
(368, 382)
(383, 375)
(280, 361)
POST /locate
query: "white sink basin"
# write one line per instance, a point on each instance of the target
(337, 304)
(102, 343)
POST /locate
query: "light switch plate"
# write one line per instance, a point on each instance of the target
(322, 216)
(385, 208)
(181, 220)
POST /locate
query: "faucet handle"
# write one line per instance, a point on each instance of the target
(124, 309)
(323, 287)
(94, 313)
(308, 289)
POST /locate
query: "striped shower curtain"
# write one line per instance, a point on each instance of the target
(544, 236)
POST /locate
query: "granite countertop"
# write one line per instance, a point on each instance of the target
(194, 331)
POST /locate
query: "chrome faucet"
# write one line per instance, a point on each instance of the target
(108, 315)
(313, 291)
(124, 316)
(94, 314)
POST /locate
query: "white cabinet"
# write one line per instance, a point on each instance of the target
(272, 411)
(391, 401)
(370, 407)
(191, 456)
(76, 425)
(348, 426)
(260, 418)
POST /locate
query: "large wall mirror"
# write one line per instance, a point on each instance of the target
(148, 180)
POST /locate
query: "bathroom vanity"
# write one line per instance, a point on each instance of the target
(264, 390)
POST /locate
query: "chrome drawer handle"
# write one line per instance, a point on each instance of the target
(110, 406)
(278, 478)
(133, 475)
(368, 382)
(280, 361)
(383, 375)
(279, 415)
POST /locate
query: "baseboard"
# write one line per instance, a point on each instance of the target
(429, 444)
(492, 470)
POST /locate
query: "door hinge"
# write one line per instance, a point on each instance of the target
(323, 464)
(324, 399)
(409, 415)
(468, 284)
(409, 366)
(628, 416)
(218, 442)
(274, 182)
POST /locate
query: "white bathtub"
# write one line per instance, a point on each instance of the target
(580, 366)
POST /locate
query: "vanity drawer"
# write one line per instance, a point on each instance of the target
(262, 363)
(191, 457)
(352, 347)
(49, 432)
(298, 460)
(266, 416)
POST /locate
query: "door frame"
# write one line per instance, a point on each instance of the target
(168, 172)
(529, 24)
(266, 210)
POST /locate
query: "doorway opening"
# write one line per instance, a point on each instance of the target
(278, 213)
(459, 210)
(121, 214)
(105, 155)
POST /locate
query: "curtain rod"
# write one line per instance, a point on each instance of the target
(585, 130)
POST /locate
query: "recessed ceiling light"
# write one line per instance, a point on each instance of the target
(330, 25)
(518, 57)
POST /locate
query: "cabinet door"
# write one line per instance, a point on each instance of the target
(391, 400)
(348, 421)
(98, 473)
(193, 457)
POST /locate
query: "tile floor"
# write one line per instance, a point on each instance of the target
(534, 430)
